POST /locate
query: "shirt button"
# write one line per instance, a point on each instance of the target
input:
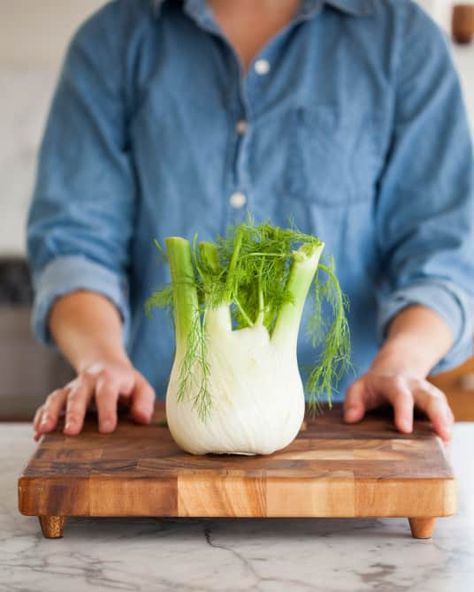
(241, 127)
(262, 67)
(238, 200)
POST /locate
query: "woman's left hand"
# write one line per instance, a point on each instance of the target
(403, 392)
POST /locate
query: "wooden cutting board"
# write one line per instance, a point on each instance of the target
(331, 469)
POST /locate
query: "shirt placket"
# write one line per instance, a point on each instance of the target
(244, 102)
(249, 96)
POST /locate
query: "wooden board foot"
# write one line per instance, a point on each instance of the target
(52, 526)
(421, 528)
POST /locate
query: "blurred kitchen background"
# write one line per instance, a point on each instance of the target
(33, 38)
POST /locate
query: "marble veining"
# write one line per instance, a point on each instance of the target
(232, 555)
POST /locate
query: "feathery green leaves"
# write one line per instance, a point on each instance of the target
(248, 270)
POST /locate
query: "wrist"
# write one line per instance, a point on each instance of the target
(417, 338)
(88, 330)
(402, 355)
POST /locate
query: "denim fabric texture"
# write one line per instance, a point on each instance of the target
(350, 122)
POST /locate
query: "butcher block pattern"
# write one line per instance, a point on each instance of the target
(330, 470)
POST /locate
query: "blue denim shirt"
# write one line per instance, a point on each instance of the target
(350, 122)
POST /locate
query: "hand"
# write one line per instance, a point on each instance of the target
(403, 392)
(108, 383)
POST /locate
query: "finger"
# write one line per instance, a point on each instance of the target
(107, 394)
(433, 402)
(401, 397)
(37, 417)
(52, 407)
(397, 392)
(452, 419)
(354, 402)
(36, 422)
(76, 406)
(143, 401)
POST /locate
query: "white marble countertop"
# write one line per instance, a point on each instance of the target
(207, 555)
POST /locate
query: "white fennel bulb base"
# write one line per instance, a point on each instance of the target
(257, 397)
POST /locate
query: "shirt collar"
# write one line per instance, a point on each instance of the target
(353, 7)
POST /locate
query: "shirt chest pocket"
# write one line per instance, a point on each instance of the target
(332, 158)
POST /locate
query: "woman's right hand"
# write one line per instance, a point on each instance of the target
(108, 383)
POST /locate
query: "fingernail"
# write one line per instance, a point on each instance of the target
(405, 425)
(352, 413)
(44, 421)
(106, 424)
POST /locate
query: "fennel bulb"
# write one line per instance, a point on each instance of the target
(235, 386)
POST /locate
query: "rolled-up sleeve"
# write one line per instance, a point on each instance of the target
(425, 208)
(81, 217)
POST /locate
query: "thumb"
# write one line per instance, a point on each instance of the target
(354, 403)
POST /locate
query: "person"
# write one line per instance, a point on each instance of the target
(172, 118)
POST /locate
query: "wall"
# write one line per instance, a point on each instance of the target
(33, 33)
(33, 36)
